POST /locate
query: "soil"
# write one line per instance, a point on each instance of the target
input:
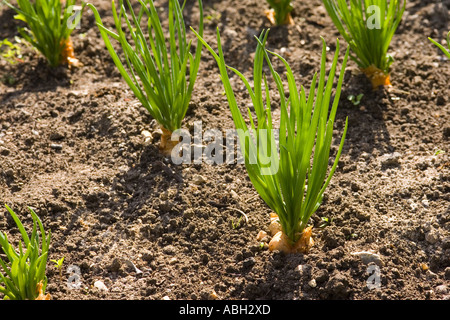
(71, 147)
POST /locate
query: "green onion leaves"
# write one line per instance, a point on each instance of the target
(292, 177)
(49, 26)
(368, 27)
(162, 77)
(24, 270)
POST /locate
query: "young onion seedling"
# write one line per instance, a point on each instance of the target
(22, 275)
(368, 27)
(292, 177)
(280, 12)
(161, 77)
(49, 28)
(440, 46)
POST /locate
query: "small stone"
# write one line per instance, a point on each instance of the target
(432, 236)
(77, 93)
(234, 195)
(368, 257)
(169, 250)
(100, 285)
(198, 179)
(166, 298)
(390, 159)
(304, 270)
(146, 133)
(148, 137)
(230, 33)
(312, 283)
(442, 289)
(365, 155)
(56, 146)
(417, 80)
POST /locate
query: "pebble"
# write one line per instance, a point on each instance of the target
(230, 33)
(56, 146)
(390, 159)
(77, 93)
(234, 195)
(312, 283)
(147, 136)
(100, 285)
(302, 269)
(169, 249)
(417, 80)
(432, 237)
(442, 289)
(198, 179)
(368, 257)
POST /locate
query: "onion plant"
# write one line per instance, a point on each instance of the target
(292, 177)
(49, 27)
(280, 12)
(440, 46)
(161, 77)
(22, 274)
(368, 27)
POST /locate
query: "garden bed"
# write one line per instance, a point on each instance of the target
(72, 147)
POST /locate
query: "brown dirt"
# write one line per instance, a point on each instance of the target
(71, 147)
